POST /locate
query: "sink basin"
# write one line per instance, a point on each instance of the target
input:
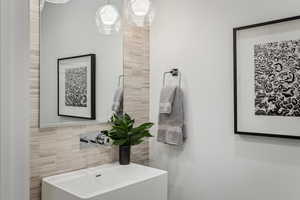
(108, 182)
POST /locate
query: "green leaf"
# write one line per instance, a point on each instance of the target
(141, 128)
(120, 142)
(137, 142)
(123, 132)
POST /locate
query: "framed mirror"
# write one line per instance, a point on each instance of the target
(80, 64)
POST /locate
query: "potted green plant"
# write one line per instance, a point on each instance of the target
(124, 134)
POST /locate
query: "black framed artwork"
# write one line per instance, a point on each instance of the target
(267, 78)
(76, 86)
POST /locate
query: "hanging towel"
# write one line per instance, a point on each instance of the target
(117, 106)
(166, 100)
(170, 126)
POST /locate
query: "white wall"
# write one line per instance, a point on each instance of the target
(215, 164)
(70, 30)
(14, 99)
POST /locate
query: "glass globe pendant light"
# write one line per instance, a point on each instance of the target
(140, 12)
(108, 19)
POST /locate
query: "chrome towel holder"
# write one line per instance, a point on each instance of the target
(120, 79)
(175, 73)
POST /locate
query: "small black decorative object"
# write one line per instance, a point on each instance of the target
(267, 78)
(76, 77)
(124, 154)
(124, 134)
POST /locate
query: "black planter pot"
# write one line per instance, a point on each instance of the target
(124, 155)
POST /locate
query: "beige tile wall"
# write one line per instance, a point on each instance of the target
(56, 150)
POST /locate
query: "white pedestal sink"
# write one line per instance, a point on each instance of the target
(108, 182)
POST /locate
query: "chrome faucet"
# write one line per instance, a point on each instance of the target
(93, 139)
(102, 139)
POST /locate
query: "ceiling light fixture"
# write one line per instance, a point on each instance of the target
(108, 19)
(140, 12)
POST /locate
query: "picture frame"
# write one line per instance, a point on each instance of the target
(76, 86)
(259, 103)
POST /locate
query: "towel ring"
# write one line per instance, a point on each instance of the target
(119, 81)
(175, 73)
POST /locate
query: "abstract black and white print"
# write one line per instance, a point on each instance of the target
(277, 78)
(76, 87)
